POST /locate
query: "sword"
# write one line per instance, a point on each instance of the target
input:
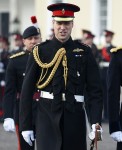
(98, 137)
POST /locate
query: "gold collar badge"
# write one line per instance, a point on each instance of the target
(63, 11)
(38, 30)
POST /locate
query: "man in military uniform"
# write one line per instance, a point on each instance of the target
(61, 69)
(85, 33)
(18, 43)
(114, 82)
(4, 55)
(89, 40)
(105, 59)
(14, 78)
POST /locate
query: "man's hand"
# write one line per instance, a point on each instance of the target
(117, 136)
(28, 136)
(92, 133)
(9, 125)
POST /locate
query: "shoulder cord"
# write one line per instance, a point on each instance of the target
(61, 53)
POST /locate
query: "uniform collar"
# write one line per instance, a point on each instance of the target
(26, 51)
(59, 44)
(108, 44)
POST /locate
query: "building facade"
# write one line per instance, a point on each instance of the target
(95, 15)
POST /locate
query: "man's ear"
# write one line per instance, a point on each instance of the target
(53, 21)
(23, 40)
(72, 23)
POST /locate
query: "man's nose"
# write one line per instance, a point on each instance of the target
(33, 40)
(62, 26)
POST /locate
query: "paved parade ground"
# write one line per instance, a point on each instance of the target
(8, 140)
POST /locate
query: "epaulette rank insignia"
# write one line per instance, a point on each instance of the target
(17, 54)
(115, 49)
(78, 50)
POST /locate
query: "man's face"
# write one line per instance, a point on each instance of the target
(108, 39)
(18, 42)
(4, 46)
(62, 30)
(31, 41)
(88, 41)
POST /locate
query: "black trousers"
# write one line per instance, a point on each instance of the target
(119, 146)
(103, 73)
(60, 129)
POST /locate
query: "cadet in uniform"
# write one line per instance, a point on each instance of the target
(4, 55)
(85, 33)
(89, 40)
(14, 79)
(105, 59)
(61, 69)
(18, 43)
(114, 82)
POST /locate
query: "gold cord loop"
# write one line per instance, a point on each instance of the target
(61, 53)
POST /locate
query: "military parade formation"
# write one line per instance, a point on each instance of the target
(51, 91)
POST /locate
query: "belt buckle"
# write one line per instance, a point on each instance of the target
(63, 97)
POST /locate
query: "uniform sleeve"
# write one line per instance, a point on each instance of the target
(93, 89)
(28, 88)
(113, 87)
(10, 90)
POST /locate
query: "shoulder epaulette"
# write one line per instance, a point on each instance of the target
(85, 45)
(113, 50)
(37, 44)
(45, 42)
(77, 41)
(40, 44)
(81, 44)
(17, 54)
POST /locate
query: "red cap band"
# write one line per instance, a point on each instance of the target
(63, 13)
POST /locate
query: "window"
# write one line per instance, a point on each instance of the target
(4, 24)
(57, 1)
(103, 15)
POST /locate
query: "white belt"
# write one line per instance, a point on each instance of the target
(44, 94)
(104, 64)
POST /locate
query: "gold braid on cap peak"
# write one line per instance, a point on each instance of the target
(115, 49)
(61, 54)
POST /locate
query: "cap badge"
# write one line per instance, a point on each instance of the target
(63, 11)
(38, 30)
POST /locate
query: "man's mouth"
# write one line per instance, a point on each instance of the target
(63, 33)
